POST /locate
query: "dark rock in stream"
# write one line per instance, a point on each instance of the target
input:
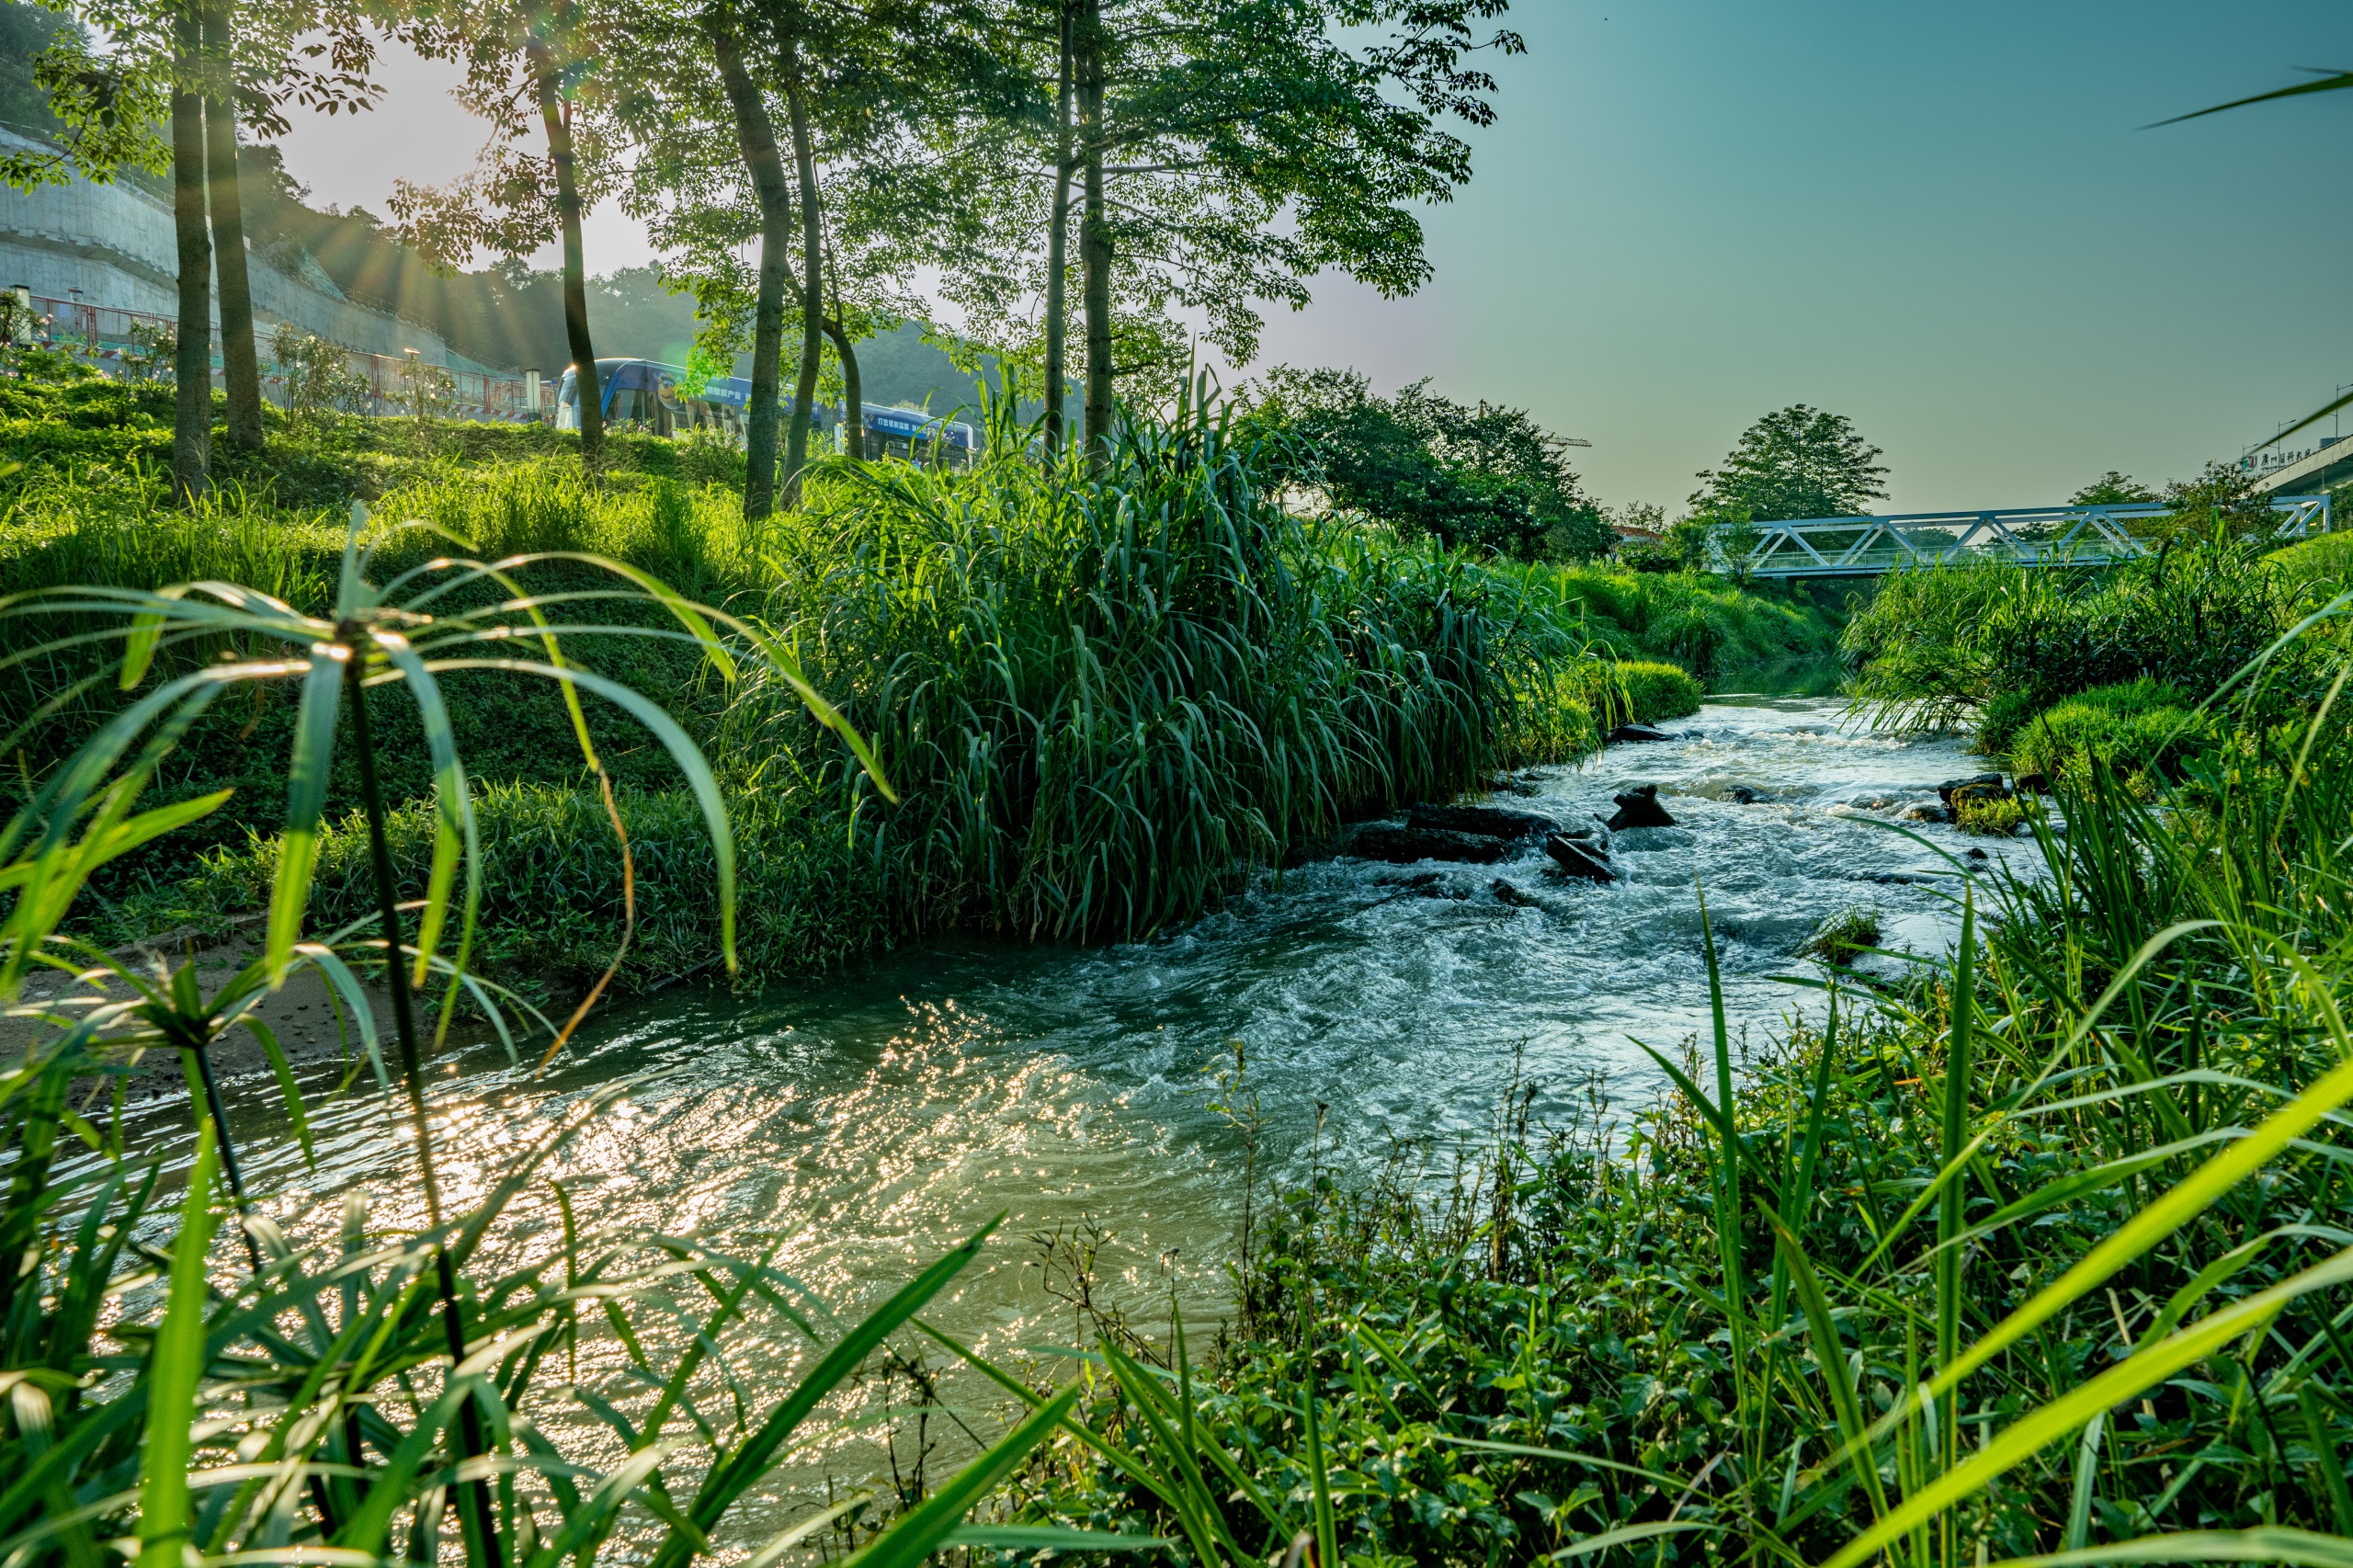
(1507, 893)
(1636, 735)
(1404, 846)
(1945, 790)
(1579, 858)
(1639, 807)
(1491, 822)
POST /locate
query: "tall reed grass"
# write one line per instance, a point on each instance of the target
(1111, 697)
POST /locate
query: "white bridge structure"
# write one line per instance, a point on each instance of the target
(2022, 536)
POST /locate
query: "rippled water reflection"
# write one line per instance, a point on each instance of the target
(863, 1123)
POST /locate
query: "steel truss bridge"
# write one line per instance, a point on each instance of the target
(2023, 536)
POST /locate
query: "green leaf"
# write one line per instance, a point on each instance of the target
(682, 750)
(2049, 1423)
(924, 1528)
(174, 1368)
(307, 771)
(2307, 1549)
(1044, 1537)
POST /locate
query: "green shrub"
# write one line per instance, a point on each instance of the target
(2141, 727)
(2328, 559)
(1659, 691)
(1839, 939)
(1988, 815)
(1984, 647)
(1696, 619)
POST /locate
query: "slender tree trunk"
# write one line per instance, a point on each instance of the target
(813, 289)
(192, 368)
(238, 360)
(756, 135)
(576, 263)
(853, 383)
(1058, 257)
(1095, 235)
(853, 393)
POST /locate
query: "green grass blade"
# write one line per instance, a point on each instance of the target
(682, 750)
(921, 1530)
(2049, 1423)
(2305, 1549)
(175, 1368)
(308, 769)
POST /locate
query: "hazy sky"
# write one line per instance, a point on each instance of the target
(1944, 222)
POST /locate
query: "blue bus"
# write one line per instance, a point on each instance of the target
(644, 394)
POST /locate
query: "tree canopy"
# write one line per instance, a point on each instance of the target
(1797, 463)
(1487, 478)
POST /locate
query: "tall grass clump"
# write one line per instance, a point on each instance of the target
(1105, 698)
(2042, 1254)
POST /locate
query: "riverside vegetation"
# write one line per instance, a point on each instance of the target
(1066, 703)
(2041, 1254)
(2043, 1250)
(1106, 699)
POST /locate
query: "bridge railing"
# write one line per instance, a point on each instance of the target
(2018, 536)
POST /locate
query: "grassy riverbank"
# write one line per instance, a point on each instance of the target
(1100, 705)
(2046, 1248)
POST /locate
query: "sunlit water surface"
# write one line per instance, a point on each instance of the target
(859, 1125)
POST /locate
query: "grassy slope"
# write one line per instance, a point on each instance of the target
(967, 579)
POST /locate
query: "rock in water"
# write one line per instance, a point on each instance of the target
(1579, 860)
(1965, 793)
(1945, 790)
(1637, 733)
(1404, 846)
(1493, 822)
(1639, 807)
(1507, 893)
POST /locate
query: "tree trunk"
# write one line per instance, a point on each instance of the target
(1095, 235)
(575, 264)
(238, 361)
(853, 395)
(853, 383)
(1058, 256)
(192, 368)
(755, 136)
(813, 284)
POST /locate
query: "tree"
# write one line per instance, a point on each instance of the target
(1486, 478)
(2112, 489)
(1224, 152)
(513, 201)
(197, 67)
(1798, 463)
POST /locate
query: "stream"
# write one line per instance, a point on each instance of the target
(862, 1123)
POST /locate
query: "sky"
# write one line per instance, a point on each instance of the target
(1947, 222)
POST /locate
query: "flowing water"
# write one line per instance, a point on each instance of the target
(863, 1123)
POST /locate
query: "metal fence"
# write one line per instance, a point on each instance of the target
(2021, 536)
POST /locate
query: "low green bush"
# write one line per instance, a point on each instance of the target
(1659, 691)
(1698, 621)
(1984, 647)
(1988, 815)
(2139, 727)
